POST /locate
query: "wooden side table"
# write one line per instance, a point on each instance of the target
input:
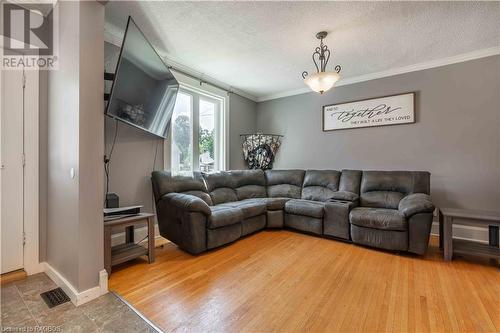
(124, 252)
(447, 218)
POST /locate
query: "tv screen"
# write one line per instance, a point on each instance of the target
(144, 90)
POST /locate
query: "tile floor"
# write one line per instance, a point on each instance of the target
(23, 310)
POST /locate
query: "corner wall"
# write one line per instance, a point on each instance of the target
(91, 148)
(74, 200)
(242, 120)
(134, 152)
(456, 135)
(133, 155)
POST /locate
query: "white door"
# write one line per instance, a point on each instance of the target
(12, 173)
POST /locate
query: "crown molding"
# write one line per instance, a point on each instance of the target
(483, 53)
(114, 36)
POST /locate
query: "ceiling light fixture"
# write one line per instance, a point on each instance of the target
(321, 81)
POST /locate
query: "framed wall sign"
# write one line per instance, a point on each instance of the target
(382, 111)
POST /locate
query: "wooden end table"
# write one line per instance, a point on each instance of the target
(129, 250)
(447, 218)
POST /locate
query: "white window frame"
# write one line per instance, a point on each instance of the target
(219, 138)
(190, 85)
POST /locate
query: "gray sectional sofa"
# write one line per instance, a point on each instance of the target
(391, 210)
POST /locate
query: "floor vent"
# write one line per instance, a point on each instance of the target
(55, 297)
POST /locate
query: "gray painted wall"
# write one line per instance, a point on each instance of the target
(456, 136)
(74, 129)
(62, 191)
(91, 148)
(242, 120)
(132, 163)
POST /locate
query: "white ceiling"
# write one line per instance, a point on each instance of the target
(262, 48)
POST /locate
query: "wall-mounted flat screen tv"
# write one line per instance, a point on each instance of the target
(144, 90)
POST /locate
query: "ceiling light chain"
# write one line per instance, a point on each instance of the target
(322, 80)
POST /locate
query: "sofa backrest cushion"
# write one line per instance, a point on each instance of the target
(384, 189)
(220, 186)
(284, 183)
(320, 185)
(164, 183)
(350, 181)
(249, 184)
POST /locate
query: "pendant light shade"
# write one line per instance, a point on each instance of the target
(322, 80)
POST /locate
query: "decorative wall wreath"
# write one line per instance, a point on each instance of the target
(259, 149)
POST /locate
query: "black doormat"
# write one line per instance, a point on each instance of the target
(55, 297)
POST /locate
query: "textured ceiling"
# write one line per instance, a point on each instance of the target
(262, 47)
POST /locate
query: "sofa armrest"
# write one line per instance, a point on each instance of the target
(345, 196)
(181, 221)
(188, 202)
(415, 203)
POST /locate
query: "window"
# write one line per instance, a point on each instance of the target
(206, 136)
(197, 135)
(182, 133)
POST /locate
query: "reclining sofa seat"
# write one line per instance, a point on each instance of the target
(205, 211)
(395, 211)
(182, 207)
(283, 185)
(240, 194)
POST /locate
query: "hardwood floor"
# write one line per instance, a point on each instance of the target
(290, 282)
(12, 276)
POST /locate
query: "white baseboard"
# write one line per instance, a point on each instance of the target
(139, 233)
(76, 297)
(465, 232)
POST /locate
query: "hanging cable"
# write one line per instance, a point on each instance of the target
(153, 169)
(107, 160)
(156, 154)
